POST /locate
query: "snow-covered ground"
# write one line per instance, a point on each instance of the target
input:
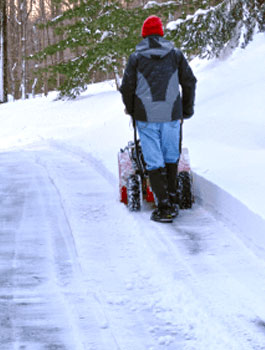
(78, 271)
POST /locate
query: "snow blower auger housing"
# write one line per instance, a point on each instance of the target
(134, 184)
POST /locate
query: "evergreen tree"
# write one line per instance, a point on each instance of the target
(210, 33)
(100, 36)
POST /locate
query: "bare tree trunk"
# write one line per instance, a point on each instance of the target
(13, 80)
(25, 10)
(24, 94)
(3, 53)
(117, 77)
(34, 87)
(13, 40)
(56, 10)
(43, 19)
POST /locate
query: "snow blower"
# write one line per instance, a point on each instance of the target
(134, 184)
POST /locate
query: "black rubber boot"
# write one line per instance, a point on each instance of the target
(172, 169)
(174, 204)
(158, 179)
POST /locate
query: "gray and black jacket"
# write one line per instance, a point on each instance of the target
(150, 86)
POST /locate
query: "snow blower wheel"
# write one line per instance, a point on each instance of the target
(134, 192)
(184, 182)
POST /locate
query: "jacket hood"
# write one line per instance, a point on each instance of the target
(154, 46)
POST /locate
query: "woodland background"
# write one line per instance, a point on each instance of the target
(66, 44)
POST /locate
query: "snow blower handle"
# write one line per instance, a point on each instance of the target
(139, 163)
(180, 135)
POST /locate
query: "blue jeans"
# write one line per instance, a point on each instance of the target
(160, 142)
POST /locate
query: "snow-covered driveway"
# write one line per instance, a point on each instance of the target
(78, 271)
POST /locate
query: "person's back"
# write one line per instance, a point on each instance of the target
(151, 94)
(157, 81)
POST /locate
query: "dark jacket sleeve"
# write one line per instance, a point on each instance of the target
(128, 85)
(187, 81)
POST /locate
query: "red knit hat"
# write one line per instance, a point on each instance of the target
(152, 25)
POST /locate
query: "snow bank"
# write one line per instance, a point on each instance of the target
(226, 137)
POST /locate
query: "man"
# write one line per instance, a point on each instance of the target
(151, 93)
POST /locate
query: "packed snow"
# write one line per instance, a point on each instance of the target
(78, 271)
